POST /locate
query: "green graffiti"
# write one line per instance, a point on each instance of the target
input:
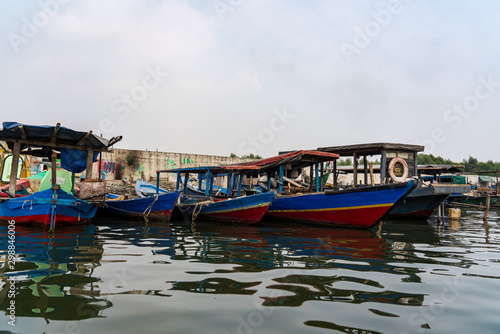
(170, 163)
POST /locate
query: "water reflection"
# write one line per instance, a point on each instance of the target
(54, 273)
(334, 277)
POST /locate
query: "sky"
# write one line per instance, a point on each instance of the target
(257, 76)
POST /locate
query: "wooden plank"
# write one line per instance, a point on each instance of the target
(15, 167)
(293, 183)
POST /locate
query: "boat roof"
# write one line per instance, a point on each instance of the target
(53, 137)
(371, 148)
(213, 169)
(438, 169)
(303, 156)
(295, 157)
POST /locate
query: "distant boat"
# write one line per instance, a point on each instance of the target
(235, 207)
(155, 207)
(145, 189)
(53, 205)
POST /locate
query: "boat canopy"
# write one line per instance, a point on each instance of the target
(295, 157)
(41, 140)
(212, 169)
(438, 169)
(53, 137)
(371, 148)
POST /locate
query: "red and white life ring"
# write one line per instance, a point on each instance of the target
(398, 170)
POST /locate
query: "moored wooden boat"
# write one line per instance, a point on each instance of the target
(53, 205)
(46, 206)
(145, 189)
(354, 207)
(245, 209)
(235, 207)
(398, 162)
(155, 207)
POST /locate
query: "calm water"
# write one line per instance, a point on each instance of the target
(118, 276)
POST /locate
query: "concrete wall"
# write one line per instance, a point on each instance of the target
(129, 165)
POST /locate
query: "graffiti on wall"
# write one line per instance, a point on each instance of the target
(139, 168)
(170, 163)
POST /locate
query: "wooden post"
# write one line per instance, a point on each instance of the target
(321, 176)
(371, 174)
(178, 181)
(355, 170)
(317, 176)
(310, 177)
(280, 185)
(100, 168)
(14, 168)
(240, 181)
(487, 207)
(334, 173)
(157, 183)
(269, 181)
(54, 168)
(186, 180)
(383, 166)
(365, 163)
(90, 162)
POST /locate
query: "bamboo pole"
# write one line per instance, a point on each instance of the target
(487, 207)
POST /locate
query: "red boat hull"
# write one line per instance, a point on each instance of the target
(44, 220)
(247, 216)
(350, 216)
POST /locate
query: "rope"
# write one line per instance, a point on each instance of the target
(199, 207)
(146, 212)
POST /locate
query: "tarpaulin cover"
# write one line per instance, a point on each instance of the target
(485, 179)
(75, 160)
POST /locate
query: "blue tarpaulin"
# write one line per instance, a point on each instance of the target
(75, 160)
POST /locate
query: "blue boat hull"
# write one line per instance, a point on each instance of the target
(355, 207)
(246, 209)
(39, 208)
(157, 207)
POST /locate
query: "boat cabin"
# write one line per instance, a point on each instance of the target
(397, 161)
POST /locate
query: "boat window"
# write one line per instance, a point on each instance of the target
(7, 166)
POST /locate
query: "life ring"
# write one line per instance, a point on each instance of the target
(398, 170)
